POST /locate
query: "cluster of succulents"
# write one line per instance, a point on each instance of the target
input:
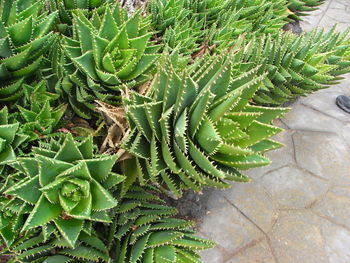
(192, 25)
(298, 66)
(25, 37)
(104, 110)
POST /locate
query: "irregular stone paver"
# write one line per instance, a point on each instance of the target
(216, 255)
(335, 206)
(297, 209)
(259, 253)
(323, 154)
(297, 237)
(301, 236)
(307, 119)
(326, 105)
(331, 13)
(254, 202)
(337, 243)
(225, 225)
(293, 188)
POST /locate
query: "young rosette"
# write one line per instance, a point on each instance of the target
(177, 25)
(198, 129)
(24, 39)
(38, 118)
(108, 52)
(65, 183)
(10, 138)
(146, 230)
(66, 8)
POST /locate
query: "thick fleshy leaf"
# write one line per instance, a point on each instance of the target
(69, 229)
(43, 212)
(101, 198)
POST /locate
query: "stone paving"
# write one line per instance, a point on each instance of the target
(297, 209)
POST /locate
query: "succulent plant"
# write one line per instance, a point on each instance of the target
(264, 15)
(301, 7)
(48, 246)
(256, 17)
(108, 53)
(38, 118)
(191, 24)
(66, 186)
(145, 230)
(198, 129)
(10, 138)
(25, 36)
(298, 65)
(66, 8)
(177, 25)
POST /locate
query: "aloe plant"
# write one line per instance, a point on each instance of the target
(198, 129)
(145, 230)
(47, 246)
(142, 225)
(66, 8)
(38, 118)
(108, 52)
(298, 65)
(25, 36)
(190, 25)
(64, 185)
(252, 18)
(10, 138)
(264, 15)
(302, 7)
(177, 25)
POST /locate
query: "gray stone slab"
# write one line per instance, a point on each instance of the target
(214, 255)
(228, 227)
(307, 119)
(337, 243)
(323, 154)
(253, 200)
(304, 118)
(259, 253)
(325, 103)
(293, 188)
(335, 206)
(296, 237)
(337, 14)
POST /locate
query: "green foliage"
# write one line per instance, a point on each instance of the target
(65, 186)
(144, 230)
(108, 52)
(190, 123)
(66, 8)
(194, 130)
(301, 7)
(10, 138)
(25, 36)
(38, 118)
(48, 246)
(177, 25)
(189, 24)
(142, 226)
(298, 65)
